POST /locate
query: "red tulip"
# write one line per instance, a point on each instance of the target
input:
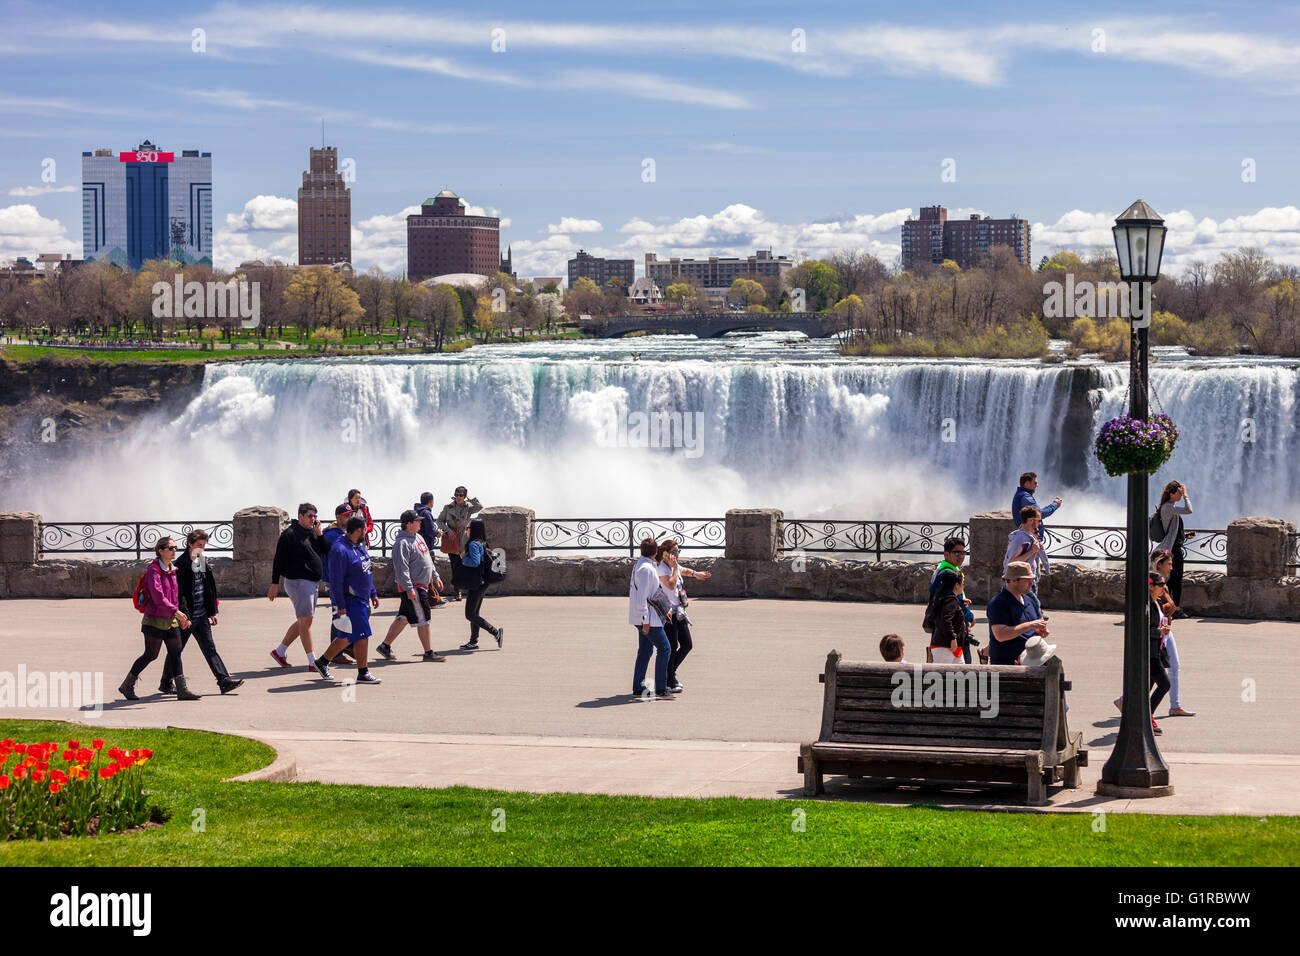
(38, 775)
(4, 782)
(54, 788)
(20, 771)
(106, 772)
(85, 756)
(97, 744)
(73, 745)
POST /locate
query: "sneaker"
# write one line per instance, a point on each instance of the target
(279, 658)
(230, 685)
(676, 688)
(1155, 728)
(500, 635)
(368, 678)
(469, 646)
(665, 694)
(323, 668)
(431, 656)
(385, 652)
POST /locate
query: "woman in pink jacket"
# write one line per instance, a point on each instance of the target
(163, 620)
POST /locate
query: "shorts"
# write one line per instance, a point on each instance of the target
(415, 611)
(302, 594)
(358, 616)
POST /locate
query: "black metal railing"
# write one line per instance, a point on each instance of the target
(879, 538)
(625, 534)
(1096, 543)
(1293, 561)
(130, 538)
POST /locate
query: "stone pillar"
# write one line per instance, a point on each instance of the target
(509, 527)
(753, 534)
(20, 537)
(256, 531)
(1259, 548)
(986, 541)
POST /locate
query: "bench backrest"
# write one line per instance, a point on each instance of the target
(950, 705)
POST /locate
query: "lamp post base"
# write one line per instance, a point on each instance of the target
(1133, 793)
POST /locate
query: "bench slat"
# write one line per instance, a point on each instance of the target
(973, 755)
(877, 704)
(962, 743)
(944, 717)
(887, 693)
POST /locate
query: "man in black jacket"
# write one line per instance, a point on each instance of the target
(298, 556)
(197, 591)
(430, 533)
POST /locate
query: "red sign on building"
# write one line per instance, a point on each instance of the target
(147, 157)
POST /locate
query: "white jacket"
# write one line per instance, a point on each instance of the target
(645, 582)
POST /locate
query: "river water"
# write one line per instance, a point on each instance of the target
(661, 426)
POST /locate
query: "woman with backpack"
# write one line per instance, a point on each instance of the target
(945, 621)
(157, 597)
(197, 590)
(474, 570)
(1168, 519)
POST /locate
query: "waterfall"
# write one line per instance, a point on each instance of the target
(852, 439)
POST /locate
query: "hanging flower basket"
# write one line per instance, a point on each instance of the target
(1130, 446)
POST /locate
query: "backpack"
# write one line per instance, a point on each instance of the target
(494, 571)
(1155, 527)
(140, 599)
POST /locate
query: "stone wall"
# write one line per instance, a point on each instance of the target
(1254, 587)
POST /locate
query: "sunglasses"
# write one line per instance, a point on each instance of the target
(310, 514)
(170, 547)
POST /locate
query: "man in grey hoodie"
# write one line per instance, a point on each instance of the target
(414, 572)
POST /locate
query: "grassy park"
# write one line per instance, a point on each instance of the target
(310, 824)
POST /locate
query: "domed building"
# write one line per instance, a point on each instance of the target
(443, 239)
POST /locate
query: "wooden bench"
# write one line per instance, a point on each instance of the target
(873, 728)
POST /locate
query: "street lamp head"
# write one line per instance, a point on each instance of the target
(1139, 242)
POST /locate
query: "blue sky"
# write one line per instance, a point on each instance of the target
(755, 142)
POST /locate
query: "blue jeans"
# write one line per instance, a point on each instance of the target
(655, 641)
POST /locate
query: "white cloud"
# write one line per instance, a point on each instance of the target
(25, 232)
(568, 224)
(28, 191)
(244, 100)
(274, 213)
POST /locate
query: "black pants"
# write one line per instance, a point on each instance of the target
(1176, 575)
(202, 631)
(679, 639)
(473, 603)
(1160, 681)
(154, 639)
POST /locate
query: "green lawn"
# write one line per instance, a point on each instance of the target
(307, 824)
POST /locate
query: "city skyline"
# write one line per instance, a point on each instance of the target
(801, 133)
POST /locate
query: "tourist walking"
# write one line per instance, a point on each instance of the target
(454, 522)
(1014, 615)
(1160, 630)
(954, 555)
(678, 625)
(1024, 497)
(159, 599)
(1174, 503)
(197, 593)
(353, 597)
(945, 621)
(474, 565)
(299, 566)
(646, 613)
(1025, 544)
(1161, 563)
(430, 533)
(414, 574)
(357, 506)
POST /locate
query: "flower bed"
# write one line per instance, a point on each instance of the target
(46, 794)
(1130, 446)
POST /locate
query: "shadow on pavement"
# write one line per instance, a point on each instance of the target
(610, 701)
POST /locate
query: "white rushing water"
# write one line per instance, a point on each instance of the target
(547, 425)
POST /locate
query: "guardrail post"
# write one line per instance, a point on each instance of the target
(753, 534)
(1259, 548)
(987, 541)
(510, 527)
(20, 537)
(256, 531)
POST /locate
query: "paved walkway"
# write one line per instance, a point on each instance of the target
(551, 710)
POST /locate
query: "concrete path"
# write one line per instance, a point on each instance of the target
(552, 709)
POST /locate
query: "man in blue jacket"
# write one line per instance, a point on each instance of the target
(353, 595)
(1024, 496)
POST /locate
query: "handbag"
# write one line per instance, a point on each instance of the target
(450, 542)
(661, 606)
(1164, 656)
(467, 576)
(491, 573)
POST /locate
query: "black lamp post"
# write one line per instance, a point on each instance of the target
(1135, 767)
